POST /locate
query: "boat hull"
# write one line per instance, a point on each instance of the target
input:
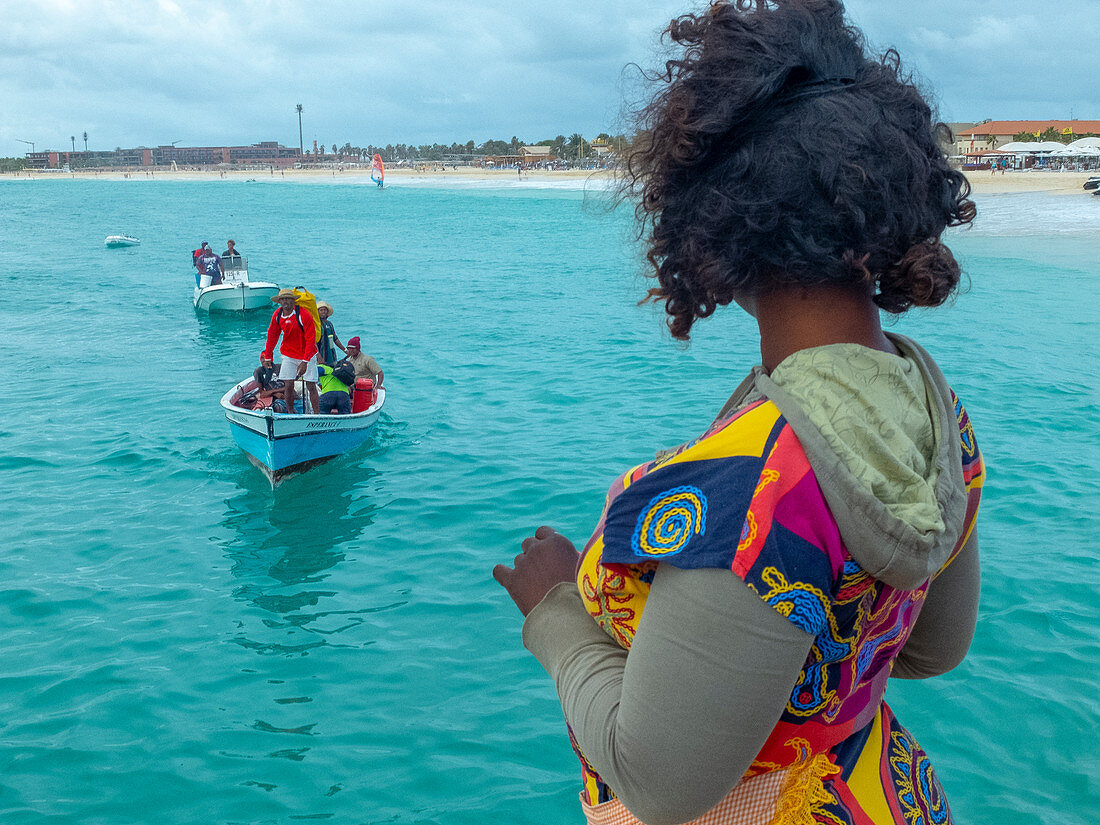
(283, 445)
(234, 297)
(118, 241)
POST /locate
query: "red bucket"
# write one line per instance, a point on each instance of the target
(363, 396)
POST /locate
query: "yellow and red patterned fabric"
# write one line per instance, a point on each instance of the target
(842, 755)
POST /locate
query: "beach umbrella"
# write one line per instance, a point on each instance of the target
(1085, 143)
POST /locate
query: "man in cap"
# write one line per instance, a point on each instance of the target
(365, 366)
(211, 267)
(196, 261)
(298, 348)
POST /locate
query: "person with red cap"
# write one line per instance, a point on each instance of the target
(365, 366)
(299, 347)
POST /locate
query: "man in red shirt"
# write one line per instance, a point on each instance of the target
(299, 347)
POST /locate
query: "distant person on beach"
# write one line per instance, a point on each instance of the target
(365, 365)
(295, 326)
(330, 341)
(722, 644)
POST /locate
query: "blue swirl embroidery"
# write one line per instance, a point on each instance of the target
(669, 522)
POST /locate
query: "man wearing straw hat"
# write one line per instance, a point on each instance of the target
(326, 347)
(299, 348)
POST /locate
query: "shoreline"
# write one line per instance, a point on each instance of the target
(981, 183)
(351, 174)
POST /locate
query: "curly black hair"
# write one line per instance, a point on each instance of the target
(778, 152)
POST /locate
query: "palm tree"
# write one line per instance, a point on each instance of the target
(85, 141)
(299, 109)
(576, 142)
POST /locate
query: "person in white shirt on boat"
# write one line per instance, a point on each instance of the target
(211, 266)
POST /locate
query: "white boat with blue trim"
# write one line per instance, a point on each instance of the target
(236, 293)
(285, 444)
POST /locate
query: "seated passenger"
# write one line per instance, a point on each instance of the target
(335, 388)
(268, 386)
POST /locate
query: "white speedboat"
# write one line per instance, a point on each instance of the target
(236, 292)
(285, 444)
(118, 241)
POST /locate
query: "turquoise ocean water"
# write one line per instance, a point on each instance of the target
(181, 644)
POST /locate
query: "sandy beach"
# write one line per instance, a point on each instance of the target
(1063, 183)
(982, 183)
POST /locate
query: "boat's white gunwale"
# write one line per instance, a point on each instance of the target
(264, 414)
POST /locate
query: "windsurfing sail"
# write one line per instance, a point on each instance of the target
(377, 171)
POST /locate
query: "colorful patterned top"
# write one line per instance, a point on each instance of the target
(845, 759)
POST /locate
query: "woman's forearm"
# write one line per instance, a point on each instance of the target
(673, 725)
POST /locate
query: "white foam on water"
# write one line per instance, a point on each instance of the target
(1023, 214)
(578, 184)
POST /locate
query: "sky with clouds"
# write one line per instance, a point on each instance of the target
(215, 72)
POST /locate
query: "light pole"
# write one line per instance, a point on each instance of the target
(300, 147)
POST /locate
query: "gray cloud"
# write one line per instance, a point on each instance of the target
(208, 71)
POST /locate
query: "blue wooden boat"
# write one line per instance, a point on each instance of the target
(282, 444)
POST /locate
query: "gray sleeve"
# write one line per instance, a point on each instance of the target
(674, 724)
(944, 629)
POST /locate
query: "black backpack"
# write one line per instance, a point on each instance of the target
(344, 372)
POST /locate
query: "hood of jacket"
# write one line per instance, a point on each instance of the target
(881, 433)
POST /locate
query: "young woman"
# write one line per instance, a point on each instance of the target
(722, 644)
